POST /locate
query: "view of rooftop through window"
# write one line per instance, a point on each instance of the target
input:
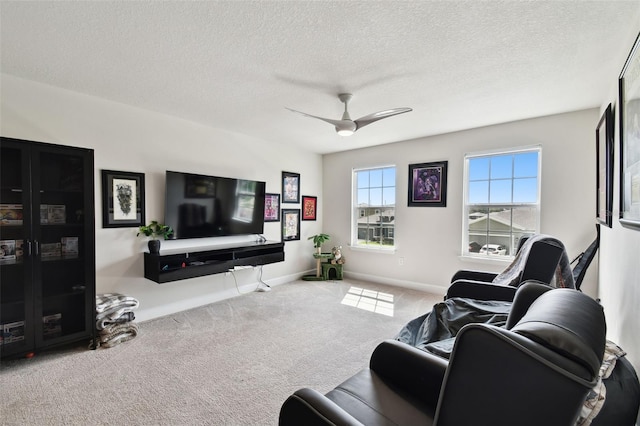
(502, 200)
(374, 207)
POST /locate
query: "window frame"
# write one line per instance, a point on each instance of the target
(357, 211)
(466, 205)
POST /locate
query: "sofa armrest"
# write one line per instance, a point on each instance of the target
(310, 408)
(464, 274)
(480, 290)
(415, 371)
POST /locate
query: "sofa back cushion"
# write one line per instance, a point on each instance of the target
(569, 323)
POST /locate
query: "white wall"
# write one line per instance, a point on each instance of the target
(429, 239)
(619, 277)
(136, 140)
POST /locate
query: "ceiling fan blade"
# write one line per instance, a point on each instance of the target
(368, 119)
(328, 120)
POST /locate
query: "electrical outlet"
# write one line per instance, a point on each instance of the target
(401, 261)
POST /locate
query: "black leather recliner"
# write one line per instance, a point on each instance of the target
(540, 258)
(537, 373)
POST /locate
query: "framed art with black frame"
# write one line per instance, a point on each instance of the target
(428, 184)
(604, 167)
(290, 224)
(122, 199)
(629, 106)
(290, 187)
(309, 207)
(271, 207)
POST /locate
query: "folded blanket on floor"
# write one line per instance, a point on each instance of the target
(111, 306)
(116, 334)
(104, 322)
(116, 328)
(107, 301)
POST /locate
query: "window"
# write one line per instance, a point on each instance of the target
(374, 207)
(246, 197)
(501, 201)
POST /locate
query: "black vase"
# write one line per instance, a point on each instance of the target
(154, 246)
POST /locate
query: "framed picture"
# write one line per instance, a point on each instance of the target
(629, 105)
(604, 167)
(290, 224)
(122, 199)
(309, 205)
(428, 184)
(290, 187)
(271, 207)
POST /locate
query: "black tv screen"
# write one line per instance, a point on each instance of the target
(199, 206)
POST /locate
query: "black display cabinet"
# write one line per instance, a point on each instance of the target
(47, 246)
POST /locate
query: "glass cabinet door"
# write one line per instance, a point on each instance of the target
(16, 290)
(64, 276)
(47, 253)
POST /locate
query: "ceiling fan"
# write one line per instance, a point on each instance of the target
(346, 126)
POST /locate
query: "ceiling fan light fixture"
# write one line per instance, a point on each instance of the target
(346, 127)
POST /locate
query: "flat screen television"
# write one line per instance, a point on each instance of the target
(199, 206)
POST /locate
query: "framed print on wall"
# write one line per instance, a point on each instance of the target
(604, 167)
(629, 106)
(290, 187)
(309, 206)
(428, 184)
(271, 207)
(122, 199)
(290, 224)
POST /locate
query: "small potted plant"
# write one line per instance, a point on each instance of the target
(318, 240)
(155, 230)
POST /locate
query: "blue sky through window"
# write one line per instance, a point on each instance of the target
(377, 187)
(504, 179)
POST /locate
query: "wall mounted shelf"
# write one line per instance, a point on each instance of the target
(180, 264)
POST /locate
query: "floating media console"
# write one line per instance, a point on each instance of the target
(173, 265)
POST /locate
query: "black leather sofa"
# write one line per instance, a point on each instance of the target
(539, 258)
(538, 372)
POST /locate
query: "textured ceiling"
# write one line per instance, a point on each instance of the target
(235, 65)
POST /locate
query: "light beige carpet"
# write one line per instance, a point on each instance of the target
(228, 363)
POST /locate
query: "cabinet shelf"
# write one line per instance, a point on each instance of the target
(61, 258)
(10, 303)
(180, 265)
(17, 262)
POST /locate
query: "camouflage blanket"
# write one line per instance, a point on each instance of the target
(563, 277)
(117, 333)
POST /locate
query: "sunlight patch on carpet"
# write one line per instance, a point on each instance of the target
(369, 300)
